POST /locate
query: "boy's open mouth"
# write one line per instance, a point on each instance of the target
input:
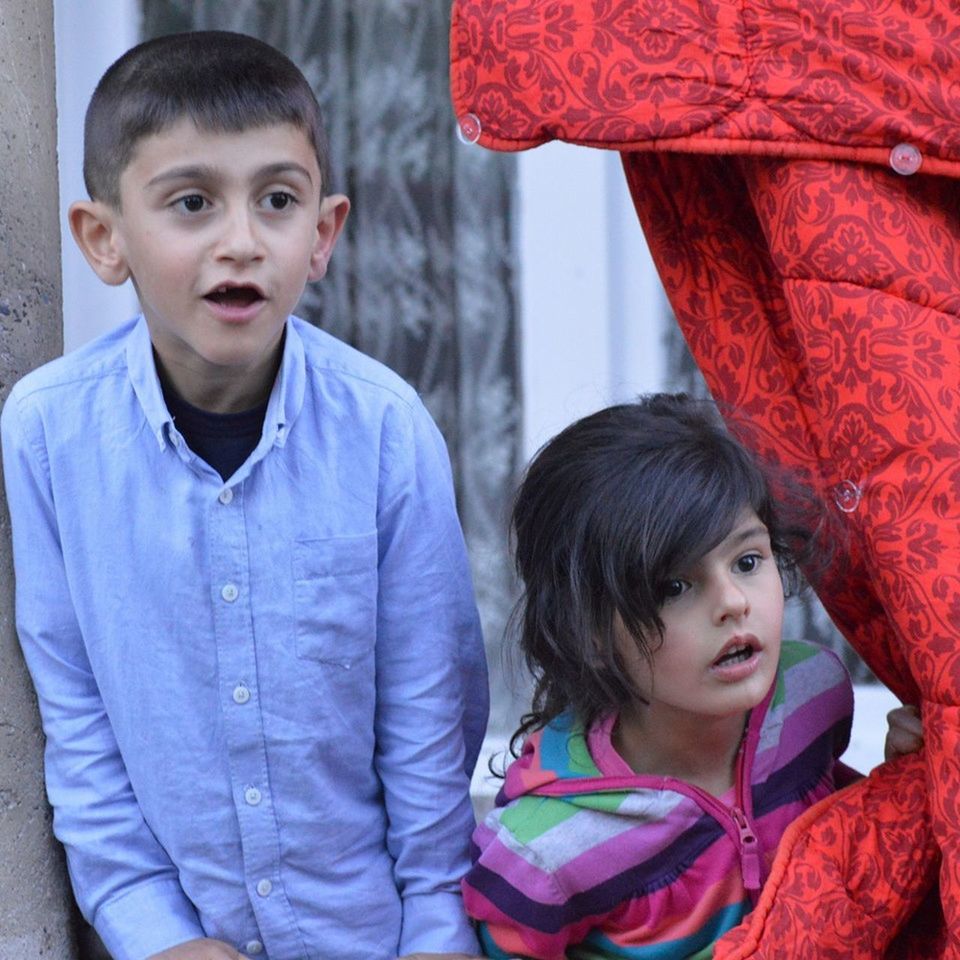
(234, 296)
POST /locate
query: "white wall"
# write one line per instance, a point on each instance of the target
(89, 36)
(591, 303)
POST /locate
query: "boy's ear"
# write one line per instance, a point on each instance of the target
(93, 225)
(333, 215)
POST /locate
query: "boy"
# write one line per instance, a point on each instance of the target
(242, 590)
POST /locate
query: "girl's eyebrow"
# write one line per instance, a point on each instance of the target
(757, 530)
(204, 172)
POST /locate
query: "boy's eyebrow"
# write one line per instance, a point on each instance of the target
(204, 172)
(285, 166)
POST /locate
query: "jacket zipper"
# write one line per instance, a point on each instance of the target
(745, 837)
(750, 863)
(748, 846)
(749, 850)
(733, 819)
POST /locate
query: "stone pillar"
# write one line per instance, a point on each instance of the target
(36, 912)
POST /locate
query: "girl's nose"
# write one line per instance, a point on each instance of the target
(732, 600)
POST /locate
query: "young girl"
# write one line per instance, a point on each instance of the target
(673, 735)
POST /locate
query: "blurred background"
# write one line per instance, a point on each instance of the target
(514, 292)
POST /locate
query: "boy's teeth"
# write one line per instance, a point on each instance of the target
(243, 296)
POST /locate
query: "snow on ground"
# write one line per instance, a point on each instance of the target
(871, 705)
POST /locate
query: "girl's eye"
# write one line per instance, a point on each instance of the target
(674, 588)
(280, 200)
(749, 562)
(193, 203)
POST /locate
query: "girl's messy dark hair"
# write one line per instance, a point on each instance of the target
(607, 512)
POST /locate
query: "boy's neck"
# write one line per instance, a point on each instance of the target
(686, 748)
(232, 392)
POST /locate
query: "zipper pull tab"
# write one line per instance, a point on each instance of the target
(749, 851)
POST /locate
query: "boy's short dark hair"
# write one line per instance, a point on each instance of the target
(223, 82)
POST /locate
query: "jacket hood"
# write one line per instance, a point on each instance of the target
(554, 759)
(565, 759)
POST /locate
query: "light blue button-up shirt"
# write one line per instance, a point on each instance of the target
(260, 697)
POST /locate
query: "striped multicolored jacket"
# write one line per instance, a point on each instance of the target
(585, 859)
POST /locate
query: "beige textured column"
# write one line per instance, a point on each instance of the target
(35, 907)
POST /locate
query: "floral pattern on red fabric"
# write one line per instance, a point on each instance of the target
(847, 379)
(832, 846)
(839, 78)
(816, 276)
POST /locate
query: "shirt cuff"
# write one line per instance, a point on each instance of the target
(436, 923)
(149, 918)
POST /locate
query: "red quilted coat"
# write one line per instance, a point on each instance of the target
(794, 165)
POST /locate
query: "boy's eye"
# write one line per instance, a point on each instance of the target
(280, 200)
(748, 563)
(193, 203)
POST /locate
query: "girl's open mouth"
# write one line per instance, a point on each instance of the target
(738, 660)
(737, 654)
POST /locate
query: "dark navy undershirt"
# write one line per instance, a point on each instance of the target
(224, 440)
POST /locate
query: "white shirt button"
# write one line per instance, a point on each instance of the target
(226, 495)
(241, 694)
(905, 159)
(229, 592)
(253, 947)
(252, 796)
(264, 887)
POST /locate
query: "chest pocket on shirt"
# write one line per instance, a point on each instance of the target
(335, 593)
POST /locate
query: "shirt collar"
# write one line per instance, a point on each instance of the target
(286, 397)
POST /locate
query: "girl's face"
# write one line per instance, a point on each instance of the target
(722, 621)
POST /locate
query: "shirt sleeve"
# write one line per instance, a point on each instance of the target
(432, 694)
(123, 880)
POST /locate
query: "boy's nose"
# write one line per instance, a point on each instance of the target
(239, 239)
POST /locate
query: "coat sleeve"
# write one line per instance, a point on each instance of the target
(518, 902)
(123, 880)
